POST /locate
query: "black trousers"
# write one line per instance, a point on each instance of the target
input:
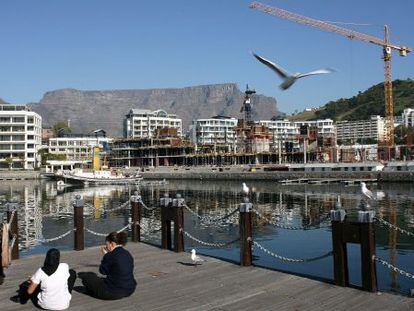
(24, 296)
(97, 288)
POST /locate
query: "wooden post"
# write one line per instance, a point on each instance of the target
(78, 223)
(165, 203)
(14, 229)
(341, 277)
(246, 232)
(136, 217)
(367, 234)
(178, 204)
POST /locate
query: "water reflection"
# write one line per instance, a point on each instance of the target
(46, 211)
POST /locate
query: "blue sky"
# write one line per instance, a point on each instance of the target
(108, 44)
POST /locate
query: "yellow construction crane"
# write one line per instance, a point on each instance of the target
(351, 34)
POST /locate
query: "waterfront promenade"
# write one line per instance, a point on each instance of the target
(168, 281)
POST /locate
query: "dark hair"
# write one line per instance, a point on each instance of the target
(51, 261)
(119, 238)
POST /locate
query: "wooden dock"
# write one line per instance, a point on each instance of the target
(167, 281)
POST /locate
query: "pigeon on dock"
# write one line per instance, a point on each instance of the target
(289, 78)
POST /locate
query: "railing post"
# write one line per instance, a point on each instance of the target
(165, 203)
(246, 232)
(14, 229)
(178, 204)
(136, 217)
(368, 267)
(78, 223)
(340, 258)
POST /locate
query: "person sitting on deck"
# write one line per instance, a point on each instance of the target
(118, 266)
(51, 286)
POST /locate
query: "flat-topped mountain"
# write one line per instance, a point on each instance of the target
(88, 110)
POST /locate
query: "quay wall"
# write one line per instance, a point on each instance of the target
(19, 175)
(278, 176)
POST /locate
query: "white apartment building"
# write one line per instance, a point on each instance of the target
(20, 137)
(218, 130)
(351, 131)
(288, 131)
(77, 147)
(140, 123)
(408, 117)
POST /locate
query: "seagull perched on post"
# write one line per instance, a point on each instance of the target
(289, 78)
(368, 193)
(195, 258)
(245, 189)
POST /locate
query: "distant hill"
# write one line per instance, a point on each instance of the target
(88, 110)
(365, 104)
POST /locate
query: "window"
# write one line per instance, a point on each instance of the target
(30, 155)
(5, 147)
(30, 120)
(30, 137)
(18, 137)
(30, 146)
(4, 119)
(18, 119)
(30, 128)
(17, 128)
(4, 128)
(5, 137)
(18, 147)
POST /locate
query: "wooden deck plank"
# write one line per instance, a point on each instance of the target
(167, 282)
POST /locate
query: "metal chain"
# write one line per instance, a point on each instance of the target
(394, 268)
(105, 234)
(394, 227)
(55, 238)
(287, 259)
(282, 226)
(208, 243)
(146, 207)
(209, 218)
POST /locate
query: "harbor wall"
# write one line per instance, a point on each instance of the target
(278, 176)
(19, 175)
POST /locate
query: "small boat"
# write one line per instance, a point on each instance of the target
(104, 177)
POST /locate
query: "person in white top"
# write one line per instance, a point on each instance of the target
(51, 286)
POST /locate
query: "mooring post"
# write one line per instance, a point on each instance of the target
(246, 232)
(136, 204)
(178, 204)
(14, 228)
(367, 234)
(341, 277)
(78, 223)
(165, 203)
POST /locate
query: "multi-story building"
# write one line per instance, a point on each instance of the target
(362, 131)
(218, 130)
(408, 117)
(78, 147)
(285, 131)
(20, 137)
(141, 123)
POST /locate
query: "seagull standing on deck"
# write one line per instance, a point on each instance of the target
(195, 258)
(289, 78)
(245, 189)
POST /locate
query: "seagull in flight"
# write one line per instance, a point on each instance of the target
(368, 193)
(289, 78)
(245, 189)
(195, 258)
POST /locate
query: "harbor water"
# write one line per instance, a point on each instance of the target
(46, 212)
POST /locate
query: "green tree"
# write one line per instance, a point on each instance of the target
(9, 162)
(61, 125)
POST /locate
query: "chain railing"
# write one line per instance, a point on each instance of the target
(153, 208)
(211, 244)
(393, 227)
(210, 219)
(105, 234)
(44, 240)
(287, 227)
(393, 268)
(290, 260)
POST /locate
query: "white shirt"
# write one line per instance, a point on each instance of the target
(55, 294)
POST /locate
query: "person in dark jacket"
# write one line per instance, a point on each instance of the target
(117, 265)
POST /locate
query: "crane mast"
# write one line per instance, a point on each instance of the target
(351, 34)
